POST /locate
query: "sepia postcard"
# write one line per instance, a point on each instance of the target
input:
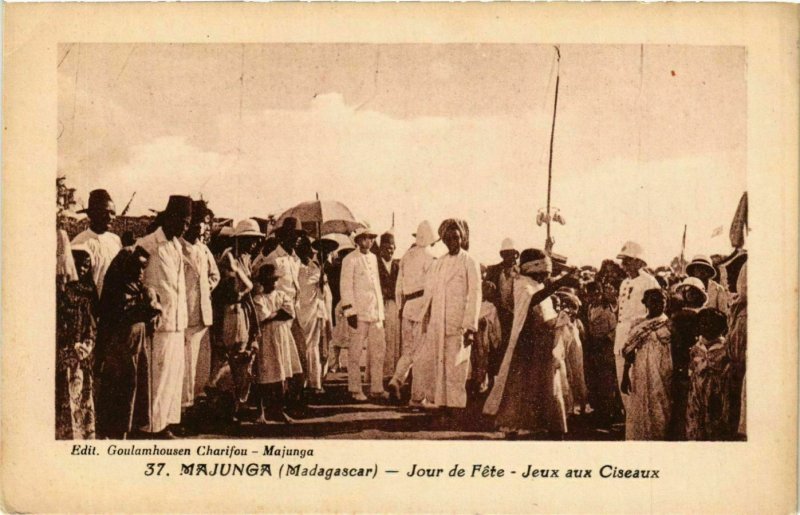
(400, 258)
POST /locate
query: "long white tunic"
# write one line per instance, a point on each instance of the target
(453, 297)
(202, 276)
(165, 274)
(312, 314)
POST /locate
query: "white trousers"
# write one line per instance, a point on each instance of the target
(392, 331)
(196, 337)
(371, 336)
(451, 367)
(413, 340)
(313, 333)
(165, 356)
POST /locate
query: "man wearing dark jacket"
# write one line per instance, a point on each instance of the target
(502, 275)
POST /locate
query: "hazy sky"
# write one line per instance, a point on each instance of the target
(647, 139)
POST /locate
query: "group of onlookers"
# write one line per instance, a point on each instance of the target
(190, 312)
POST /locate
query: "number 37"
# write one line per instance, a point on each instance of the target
(154, 469)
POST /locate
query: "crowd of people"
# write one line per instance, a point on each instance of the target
(243, 319)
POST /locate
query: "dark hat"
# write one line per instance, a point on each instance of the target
(179, 205)
(99, 199)
(387, 237)
(289, 225)
(200, 210)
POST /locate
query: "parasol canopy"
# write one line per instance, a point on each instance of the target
(329, 215)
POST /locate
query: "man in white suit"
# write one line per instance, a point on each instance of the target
(362, 303)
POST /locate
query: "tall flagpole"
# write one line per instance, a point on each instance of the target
(550, 158)
(683, 251)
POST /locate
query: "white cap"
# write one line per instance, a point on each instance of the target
(694, 282)
(507, 244)
(363, 230)
(424, 235)
(633, 250)
(248, 227)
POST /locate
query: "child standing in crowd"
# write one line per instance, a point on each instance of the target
(684, 336)
(601, 371)
(708, 410)
(277, 360)
(128, 314)
(75, 335)
(567, 331)
(648, 372)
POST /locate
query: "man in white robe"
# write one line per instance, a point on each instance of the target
(165, 274)
(362, 303)
(102, 244)
(312, 311)
(452, 303)
(410, 287)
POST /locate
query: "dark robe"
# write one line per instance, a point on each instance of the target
(124, 332)
(601, 371)
(505, 316)
(529, 400)
(388, 278)
(685, 332)
(334, 271)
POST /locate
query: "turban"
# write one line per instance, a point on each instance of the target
(461, 225)
(540, 265)
(533, 261)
